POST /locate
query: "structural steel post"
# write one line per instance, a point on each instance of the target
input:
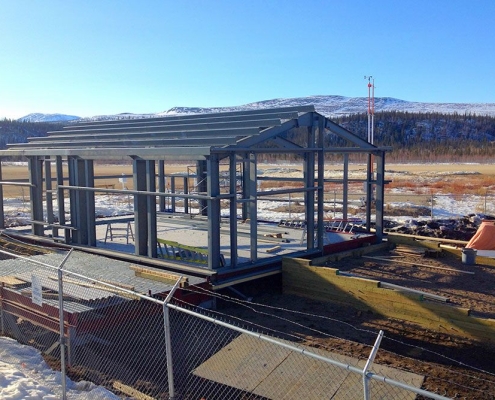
(49, 194)
(80, 216)
(186, 191)
(172, 190)
(213, 188)
(36, 193)
(245, 186)
(321, 182)
(345, 188)
(380, 194)
(253, 207)
(60, 198)
(369, 189)
(309, 195)
(161, 184)
(201, 169)
(89, 181)
(233, 210)
(151, 208)
(140, 212)
(2, 215)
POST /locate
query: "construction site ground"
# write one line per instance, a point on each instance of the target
(453, 366)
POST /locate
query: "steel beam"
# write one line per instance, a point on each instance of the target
(181, 129)
(268, 113)
(267, 134)
(345, 134)
(172, 153)
(129, 143)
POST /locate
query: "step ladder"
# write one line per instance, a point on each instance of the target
(110, 232)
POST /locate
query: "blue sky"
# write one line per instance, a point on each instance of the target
(95, 57)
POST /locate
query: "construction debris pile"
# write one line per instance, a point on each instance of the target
(458, 229)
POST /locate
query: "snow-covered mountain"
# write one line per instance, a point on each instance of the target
(39, 117)
(331, 106)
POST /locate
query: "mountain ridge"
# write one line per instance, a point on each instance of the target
(331, 106)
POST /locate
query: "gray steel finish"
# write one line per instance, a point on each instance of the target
(36, 193)
(179, 129)
(2, 214)
(174, 153)
(205, 140)
(128, 143)
(273, 112)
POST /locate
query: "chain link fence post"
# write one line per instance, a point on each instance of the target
(168, 341)
(61, 324)
(371, 358)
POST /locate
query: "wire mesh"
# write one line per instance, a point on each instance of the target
(116, 338)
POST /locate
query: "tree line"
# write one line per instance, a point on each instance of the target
(422, 137)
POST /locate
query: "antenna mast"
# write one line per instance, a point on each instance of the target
(371, 108)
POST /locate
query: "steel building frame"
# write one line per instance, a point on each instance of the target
(233, 138)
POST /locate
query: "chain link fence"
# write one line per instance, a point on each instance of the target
(160, 347)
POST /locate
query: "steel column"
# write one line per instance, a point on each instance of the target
(201, 171)
(245, 186)
(73, 199)
(213, 189)
(81, 234)
(321, 182)
(172, 189)
(161, 183)
(2, 214)
(151, 209)
(309, 196)
(49, 194)
(253, 206)
(369, 189)
(140, 211)
(380, 194)
(89, 181)
(233, 210)
(186, 191)
(60, 198)
(36, 193)
(345, 187)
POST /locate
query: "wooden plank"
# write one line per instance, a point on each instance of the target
(11, 280)
(273, 249)
(159, 276)
(130, 391)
